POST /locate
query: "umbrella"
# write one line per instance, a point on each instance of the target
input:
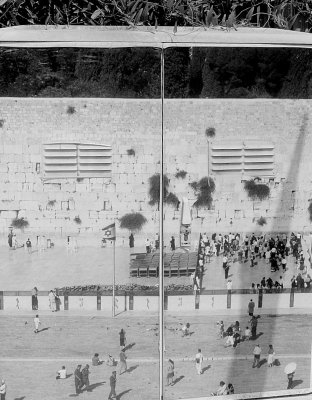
(290, 368)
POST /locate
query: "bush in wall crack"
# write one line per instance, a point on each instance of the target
(257, 191)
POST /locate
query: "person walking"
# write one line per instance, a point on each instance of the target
(37, 323)
(172, 243)
(271, 357)
(170, 372)
(122, 339)
(131, 240)
(123, 362)
(34, 298)
(251, 308)
(52, 301)
(85, 377)
(256, 353)
(78, 379)
(199, 362)
(147, 246)
(254, 324)
(112, 383)
(3, 389)
(28, 246)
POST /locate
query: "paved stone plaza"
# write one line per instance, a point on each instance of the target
(68, 340)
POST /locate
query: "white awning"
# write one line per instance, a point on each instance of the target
(163, 37)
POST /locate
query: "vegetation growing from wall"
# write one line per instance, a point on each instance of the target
(261, 221)
(131, 152)
(132, 221)
(256, 191)
(210, 132)
(20, 223)
(181, 174)
(154, 191)
(77, 220)
(203, 191)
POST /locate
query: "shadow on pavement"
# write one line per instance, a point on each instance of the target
(129, 346)
(132, 368)
(93, 386)
(177, 380)
(122, 393)
(206, 369)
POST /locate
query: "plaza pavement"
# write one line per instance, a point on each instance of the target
(94, 265)
(29, 361)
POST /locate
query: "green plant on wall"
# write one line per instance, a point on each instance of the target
(203, 191)
(181, 174)
(154, 191)
(131, 152)
(77, 219)
(256, 191)
(20, 223)
(132, 221)
(261, 221)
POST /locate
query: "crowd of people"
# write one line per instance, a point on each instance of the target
(275, 250)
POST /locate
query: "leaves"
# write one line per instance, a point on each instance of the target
(96, 14)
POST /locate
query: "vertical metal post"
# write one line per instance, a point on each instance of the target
(161, 235)
(113, 305)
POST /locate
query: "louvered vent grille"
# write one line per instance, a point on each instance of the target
(73, 160)
(248, 157)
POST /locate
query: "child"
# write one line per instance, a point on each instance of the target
(37, 323)
(247, 333)
(221, 329)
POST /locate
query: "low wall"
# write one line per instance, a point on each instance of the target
(209, 300)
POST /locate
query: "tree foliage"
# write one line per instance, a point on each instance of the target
(132, 221)
(283, 14)
(203, 191)
(256, 191)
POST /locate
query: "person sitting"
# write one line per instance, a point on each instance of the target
(230, 389)
(61, 374)
(96, 360)
(230, 340)
(185, 329)
(221, 391)
(247, 334)
(110, 361)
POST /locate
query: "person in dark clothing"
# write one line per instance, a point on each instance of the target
(131, 240)
(112, 383)
(78, 379)
(172, 243)
(122, 338)
(34, 298)
(254, 324)
(85, 377)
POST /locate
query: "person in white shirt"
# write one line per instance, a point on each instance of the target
(247, 334)
(61, 374)
(229, 285)
(37, 323)
(221, 391)
(199, 362)
(3, 389)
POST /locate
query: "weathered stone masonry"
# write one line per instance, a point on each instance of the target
(50, 207)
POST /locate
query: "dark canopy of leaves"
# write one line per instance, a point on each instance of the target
(132, 221)
(203, 190)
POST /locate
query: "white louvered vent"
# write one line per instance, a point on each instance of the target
(76, 160)
(249, 157)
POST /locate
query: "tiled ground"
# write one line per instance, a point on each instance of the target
(29, 361)
(92, 265)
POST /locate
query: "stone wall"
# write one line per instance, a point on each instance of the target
(51, 206)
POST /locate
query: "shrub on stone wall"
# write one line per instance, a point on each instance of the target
(131, 152)
(19, 223)
(132, 221)
(256, 191)
(181, 174)
(77, 219)
(210, 132)
(154, 188)
(203, 190)
(172, 200)
(310, 211)
(261, 221)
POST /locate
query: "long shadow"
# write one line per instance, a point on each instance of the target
(119, 396)
(43, 329)
(286, 218)
(129, 346)
(206, 369)
(256, 337)
(20, 398)
(296, 383)
(132, 368)
(93, 386)
(177, 380)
